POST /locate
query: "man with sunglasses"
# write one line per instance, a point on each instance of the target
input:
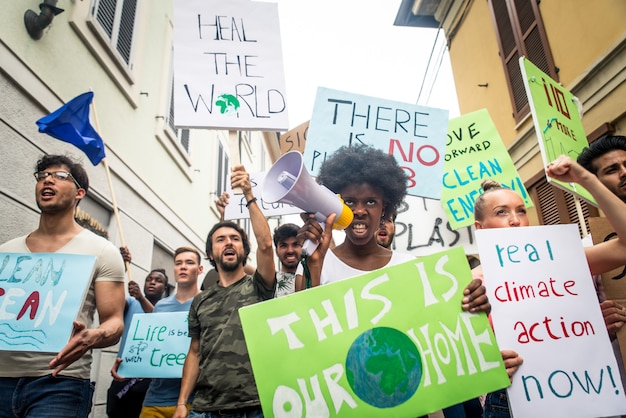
(37, 384)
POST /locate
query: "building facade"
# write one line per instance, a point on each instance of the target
(579, 44)
(164, 180)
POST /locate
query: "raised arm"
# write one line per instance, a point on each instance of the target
(607, 255)
(260, 227)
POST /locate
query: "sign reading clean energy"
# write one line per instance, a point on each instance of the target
(228, 65)
(392, 342)
(475, 152)
(414, 135)
(40, 296)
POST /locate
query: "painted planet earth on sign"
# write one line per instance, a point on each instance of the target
(383, 367)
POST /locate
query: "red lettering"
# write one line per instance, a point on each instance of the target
(32, 302)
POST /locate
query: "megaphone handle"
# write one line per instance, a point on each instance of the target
(308, 247)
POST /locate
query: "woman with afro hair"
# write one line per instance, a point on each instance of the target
(371, 183)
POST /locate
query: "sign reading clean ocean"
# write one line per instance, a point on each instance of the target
(414, 135)
(391, 343)
(40, 296)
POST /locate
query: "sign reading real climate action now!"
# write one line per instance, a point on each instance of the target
(392, 342)
(544, 306)
(40, 297)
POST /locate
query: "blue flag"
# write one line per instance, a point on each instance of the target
(70, 123)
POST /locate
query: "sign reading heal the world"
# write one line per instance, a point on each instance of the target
(475, 152)
(236, 208)
(414, 135)
(392, 342)
(544, 306)
(156, 345)
(228, 66)
(558, 123)
(40, 297)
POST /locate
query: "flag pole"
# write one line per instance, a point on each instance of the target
(113, 201)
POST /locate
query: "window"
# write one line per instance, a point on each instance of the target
(117, 20)
(181, 134)
(555, 206)
(520, 32)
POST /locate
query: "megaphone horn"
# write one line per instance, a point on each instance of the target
(287, 181)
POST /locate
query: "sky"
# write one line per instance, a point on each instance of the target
(353, 46)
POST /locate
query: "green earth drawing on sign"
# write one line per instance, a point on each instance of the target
(383, 367)
(228, 104)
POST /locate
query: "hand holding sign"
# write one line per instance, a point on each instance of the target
(82, 340)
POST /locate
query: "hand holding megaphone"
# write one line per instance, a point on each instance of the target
(287, 181)
(315, 235)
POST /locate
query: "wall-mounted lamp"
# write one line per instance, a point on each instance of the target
(35, 24)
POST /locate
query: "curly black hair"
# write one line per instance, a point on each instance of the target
(363, 164)
(598, 148)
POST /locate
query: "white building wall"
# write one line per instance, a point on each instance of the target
(164, 194)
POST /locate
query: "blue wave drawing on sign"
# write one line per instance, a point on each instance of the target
(12, 337)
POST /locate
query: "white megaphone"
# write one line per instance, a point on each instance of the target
(287, 181)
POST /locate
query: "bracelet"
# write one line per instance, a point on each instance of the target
(249, 202)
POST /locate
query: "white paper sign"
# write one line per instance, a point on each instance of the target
(236, 208)
(422, 228)
(544, 306)
(228, 65)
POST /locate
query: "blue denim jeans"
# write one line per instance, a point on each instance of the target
(254, 413)
(45, 397)
(497, 405)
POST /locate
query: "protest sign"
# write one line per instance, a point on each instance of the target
(558, 123)
(544, 307)
(475, 152)
(422, 228)
(392, 342)
(236, 208)
(40, 298)
(156, 345)
(414, 135)
(228, 66)
(294, 139)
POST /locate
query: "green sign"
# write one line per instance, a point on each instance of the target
(474, 152)
(392, 342)
(557, 121)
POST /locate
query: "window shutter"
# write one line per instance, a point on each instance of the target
(127, 25)
(117, 19)
(520, 33)
(105, 15)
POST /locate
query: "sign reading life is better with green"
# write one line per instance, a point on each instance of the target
(474, 152)
(558, 123)
(156, 345)
(392, 342)
(40, 297)
(414, 135)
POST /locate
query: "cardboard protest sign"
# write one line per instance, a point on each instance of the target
(558, 123)
(236, 208)
(156, 346)
(422, 228)
(544, 307)
(294, 139)
(392, 342)
(613, 281)
(414, 135)
(474, 152)
(40, 298)
(228, 66)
